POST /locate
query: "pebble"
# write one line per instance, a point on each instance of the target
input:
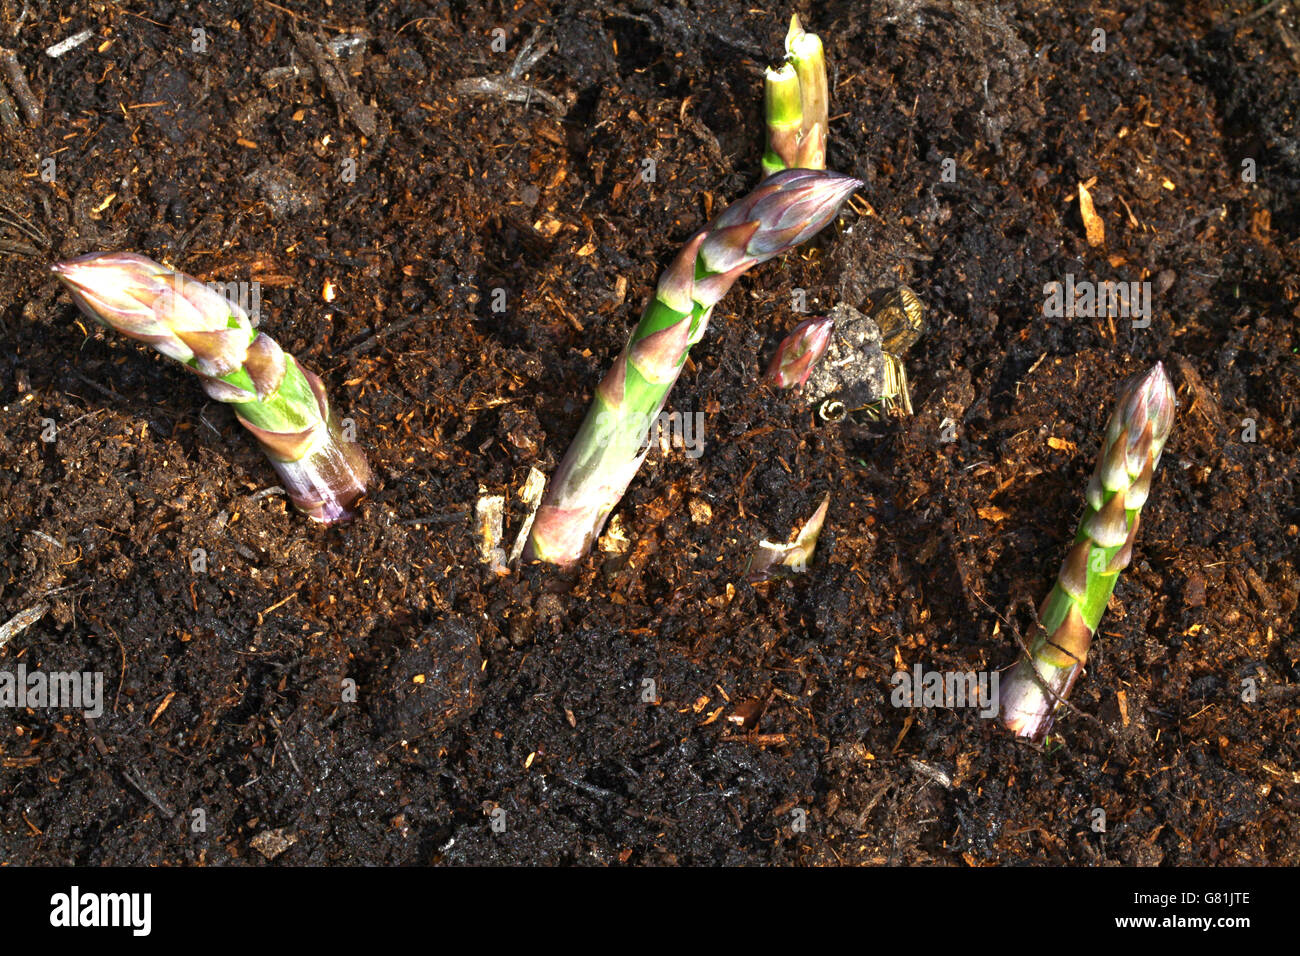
(853, 369)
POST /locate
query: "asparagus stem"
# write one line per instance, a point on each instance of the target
(797, 98)
(804, 51)
(781, 213)
(1103, 547)
(281, 403)
(784, 111)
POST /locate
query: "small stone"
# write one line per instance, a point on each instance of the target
(271, 843)
(853, 369)
(701, 511)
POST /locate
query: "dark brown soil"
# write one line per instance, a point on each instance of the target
(228, 692)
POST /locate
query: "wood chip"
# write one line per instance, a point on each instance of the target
(22, 621)
(1096, 229)
(531, 496)
(488, 512)
(161, 707)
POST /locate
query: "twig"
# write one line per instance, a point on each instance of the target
(279, 731)
(148, 794)
(299, 16)
(371, 340)
(109, 757)
(327, 68)
(8, 111)
(1257, 13)
(18, 83)
(15, 220)
(19, 249)
(1058, 700)
(115, 396)
(22, 621)
(71, 43)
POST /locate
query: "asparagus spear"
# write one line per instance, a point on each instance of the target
(782, 212)
(280, 402)
(1102, 548)
(799, 352)
(796, 98)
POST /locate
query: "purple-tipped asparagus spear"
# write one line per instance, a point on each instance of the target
(799, 352)
(784, 211)
(1103, 547)
(280, 402)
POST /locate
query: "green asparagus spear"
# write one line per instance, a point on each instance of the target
(796, 100)
(1102, 549)
(782, 212)
(280, 402)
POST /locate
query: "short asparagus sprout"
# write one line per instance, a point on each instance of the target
(796, 100)
(799, 352)
(279, 401)
(770, 557)
(784, 211)
(1103, 547)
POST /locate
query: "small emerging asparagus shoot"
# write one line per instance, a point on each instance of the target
(799, 352)
(279, 401)
(769, 557)
(1103, 547)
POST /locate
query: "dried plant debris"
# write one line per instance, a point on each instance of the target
(510, 86)
(900, 316)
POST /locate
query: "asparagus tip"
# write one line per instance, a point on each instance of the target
(799, 353)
